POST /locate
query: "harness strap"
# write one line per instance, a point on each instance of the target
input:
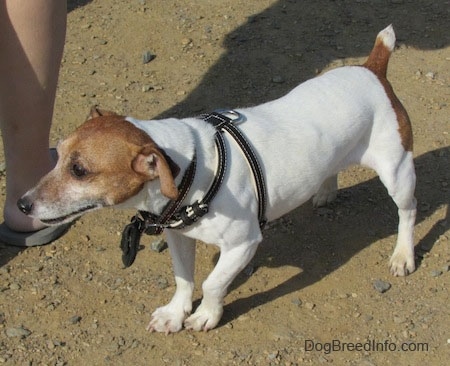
(224, 123)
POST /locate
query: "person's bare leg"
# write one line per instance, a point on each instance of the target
(32, 35)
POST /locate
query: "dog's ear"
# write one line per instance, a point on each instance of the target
(96, 112)
(154, 163)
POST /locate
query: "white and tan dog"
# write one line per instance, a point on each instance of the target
(349, 115)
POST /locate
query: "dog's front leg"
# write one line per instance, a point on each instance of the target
(231, 262)
(169, 318)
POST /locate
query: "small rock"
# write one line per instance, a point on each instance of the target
(148, 56)
(20, 332)
(435, 273)
(430, 75)
(446, 268)
(273, 356)
(14, 286)
(297, 302)
(277, 79)
(146, 88)
(381, 286)
(310, 305)
(400, 319)
(162, 283)
(50, 344)
(249, 270)
(135, 343)
(158, 245)
(75, 319)
(324, 211)
(186, 41)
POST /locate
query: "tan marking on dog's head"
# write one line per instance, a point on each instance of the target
(106, 161)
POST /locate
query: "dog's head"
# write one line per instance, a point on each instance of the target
(106, 161)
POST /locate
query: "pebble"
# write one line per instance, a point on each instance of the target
(14, 286)
(278, 79)
(162, 283)
(430, 75)
(158, 245)
(435, 273)
(75, 319)
(20, 332)
(146, 88)
(148, 56)
(381, 286)
(400, 319)
(249, 270)
(186, 41)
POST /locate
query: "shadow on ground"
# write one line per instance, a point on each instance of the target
(292, 40)
(362, 214)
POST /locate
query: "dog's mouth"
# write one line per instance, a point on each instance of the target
(69, 217)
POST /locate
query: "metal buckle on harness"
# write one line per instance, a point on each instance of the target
(234, 116)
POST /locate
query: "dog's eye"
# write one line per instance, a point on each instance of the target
(78, 171)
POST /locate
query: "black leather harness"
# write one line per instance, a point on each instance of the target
(176, 216)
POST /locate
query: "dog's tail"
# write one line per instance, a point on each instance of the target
(379, 56)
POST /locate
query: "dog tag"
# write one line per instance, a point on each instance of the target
(129, 244)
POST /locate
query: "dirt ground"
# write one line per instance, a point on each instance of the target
(312, 280)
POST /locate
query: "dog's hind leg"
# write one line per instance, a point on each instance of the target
(398, 176)
(327, 192)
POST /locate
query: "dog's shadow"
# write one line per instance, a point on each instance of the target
(321, 241)
(291, 41)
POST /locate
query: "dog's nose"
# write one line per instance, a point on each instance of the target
(25, 205)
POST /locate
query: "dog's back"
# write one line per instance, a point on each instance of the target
(326, 123)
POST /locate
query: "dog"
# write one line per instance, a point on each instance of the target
(349, 115)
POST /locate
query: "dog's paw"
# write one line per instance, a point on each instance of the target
(205, 318)
(402, 264)
(327, 192)
(323, 198)
(167, 320)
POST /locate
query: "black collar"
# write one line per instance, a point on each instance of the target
(173, 215)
